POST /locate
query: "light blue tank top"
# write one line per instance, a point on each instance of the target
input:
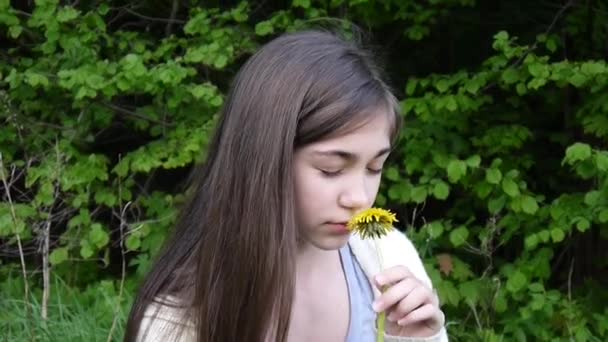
(362, 316)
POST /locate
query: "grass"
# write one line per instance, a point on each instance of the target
(73, 314)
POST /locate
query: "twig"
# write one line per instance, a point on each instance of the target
(122, 226)
(558, 15)
(134, 114)
(174, 9)
(163, 20)
(46, 270)
(19, 245)
(570, 279)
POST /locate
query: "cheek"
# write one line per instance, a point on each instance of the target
(373, 185)
(314, 194)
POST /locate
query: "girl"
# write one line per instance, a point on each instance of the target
(261, 251)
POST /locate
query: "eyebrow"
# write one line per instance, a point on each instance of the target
(349, 155)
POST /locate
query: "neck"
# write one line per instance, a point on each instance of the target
(311, 259)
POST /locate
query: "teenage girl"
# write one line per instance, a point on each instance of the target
(261, 251)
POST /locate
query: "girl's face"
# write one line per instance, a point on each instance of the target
(336, 177)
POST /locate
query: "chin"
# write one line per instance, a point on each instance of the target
(331, 243)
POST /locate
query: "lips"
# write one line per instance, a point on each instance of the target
(338, 227)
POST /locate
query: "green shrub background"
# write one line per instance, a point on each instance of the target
(500, 178)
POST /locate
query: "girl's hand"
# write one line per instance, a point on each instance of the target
(412, 309)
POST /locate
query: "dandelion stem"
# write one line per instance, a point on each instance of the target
(380, 322)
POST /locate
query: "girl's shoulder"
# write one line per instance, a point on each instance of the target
(164, 320)
(393, 249)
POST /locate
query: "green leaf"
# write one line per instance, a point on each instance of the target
(98, 236)
(510, 187)
(483, 189)
(510, 76)
(392, 174)
(529, 205)
(538, 70)
(85, 250)
(601, 161)
(442, 85)
(496, 204)
(500, 303)
(419, 194)
(441, 190)
(577, 152)
(592, 198)
(516, 281)
(472, 86)
(556, 211)
(536, 287)
(470, 291)
(551, 45)
(459, 236)
(557, 235)
(603, 216)
(501, 36)
(544, 235)
(435, 229)
(451, 103)
(66, 14)
(583, 225)
(473, 161)
(538, 302)
(58, 255)
(103, 9)
(577, 79)
(448, 292)
(456, 169)
(264, 28)
(15, 32)
(104, 196)
(593, 68)
(301, 3)
(380, 200)
(531, 241)
(493, 176)
(411, 87)
(133, 242)
(220, 62)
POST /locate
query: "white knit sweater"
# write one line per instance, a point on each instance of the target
(394, 249)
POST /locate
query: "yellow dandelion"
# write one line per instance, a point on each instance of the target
(372, 222)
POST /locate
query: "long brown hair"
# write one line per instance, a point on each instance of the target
(231, 260)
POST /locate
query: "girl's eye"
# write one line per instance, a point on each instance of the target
(331, 173)
(374, 171)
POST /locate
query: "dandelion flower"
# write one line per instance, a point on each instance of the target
(372, 223)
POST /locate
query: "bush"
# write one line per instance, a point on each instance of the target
(500, 178)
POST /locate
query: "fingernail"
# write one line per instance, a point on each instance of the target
(401, 322)
(376, 306)
(380, 280)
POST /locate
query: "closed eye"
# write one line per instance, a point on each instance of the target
(330, 173)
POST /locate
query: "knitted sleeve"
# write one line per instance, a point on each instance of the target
(163, 322)
(392, 250)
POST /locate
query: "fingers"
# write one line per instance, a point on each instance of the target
(405, 299)
(427, 312)
(392, 275)
(395, 294)
(418, 297)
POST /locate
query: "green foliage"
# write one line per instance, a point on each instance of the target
(73, 315)
(502, 165)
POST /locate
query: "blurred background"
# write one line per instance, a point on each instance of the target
(500, 177)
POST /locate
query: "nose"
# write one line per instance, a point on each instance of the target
(355, 195)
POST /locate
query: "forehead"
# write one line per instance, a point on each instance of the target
(371, 134)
